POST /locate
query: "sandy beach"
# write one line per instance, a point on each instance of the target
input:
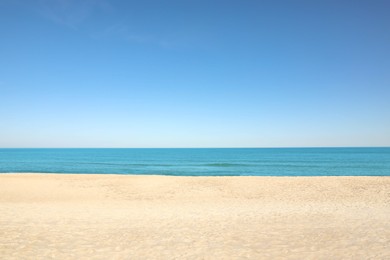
(65, 216)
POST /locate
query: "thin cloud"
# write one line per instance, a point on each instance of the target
(74, 13)
(122, 32)
(71, 13)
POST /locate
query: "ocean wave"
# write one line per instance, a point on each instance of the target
(227, 165)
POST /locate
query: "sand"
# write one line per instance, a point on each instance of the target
(45, 216)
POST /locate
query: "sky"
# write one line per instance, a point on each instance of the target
(194, 73)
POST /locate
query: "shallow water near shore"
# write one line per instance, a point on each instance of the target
(201, 161)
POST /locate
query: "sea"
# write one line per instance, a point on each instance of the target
(200, 161)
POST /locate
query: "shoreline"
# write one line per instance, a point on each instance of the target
(168, 175)
(116, 216)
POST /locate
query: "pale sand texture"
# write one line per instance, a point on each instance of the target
(46, 216)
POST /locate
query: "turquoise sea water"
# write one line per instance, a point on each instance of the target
(202, 162)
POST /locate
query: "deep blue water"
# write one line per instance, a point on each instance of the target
(198, 162)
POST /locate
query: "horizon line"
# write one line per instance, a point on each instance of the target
(243, 147)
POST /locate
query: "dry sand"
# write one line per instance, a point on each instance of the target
(158, 217)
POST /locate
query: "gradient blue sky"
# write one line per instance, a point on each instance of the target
(99, 73)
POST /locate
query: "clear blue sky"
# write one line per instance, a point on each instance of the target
(194, 73)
